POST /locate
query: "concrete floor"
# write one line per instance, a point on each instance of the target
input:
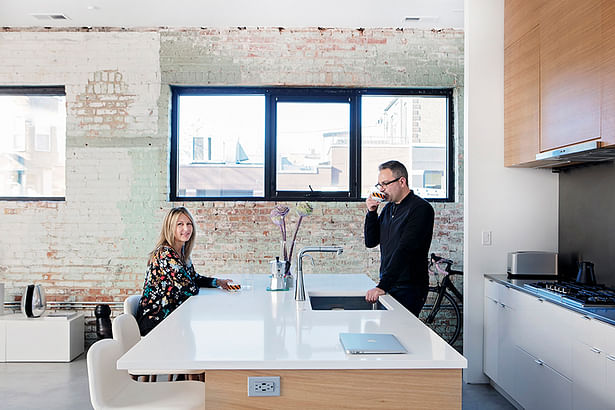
(64, 386)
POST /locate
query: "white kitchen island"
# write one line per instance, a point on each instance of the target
(254, 332)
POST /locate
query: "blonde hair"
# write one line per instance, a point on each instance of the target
(167, 234)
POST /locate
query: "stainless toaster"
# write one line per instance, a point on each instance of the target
(532, 264)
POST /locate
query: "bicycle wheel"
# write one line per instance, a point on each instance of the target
(446, 320)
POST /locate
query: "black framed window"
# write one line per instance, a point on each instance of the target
(244, 143)
(32, 143)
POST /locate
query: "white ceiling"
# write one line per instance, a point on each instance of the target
(232, 13)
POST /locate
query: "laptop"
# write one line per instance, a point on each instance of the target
(371, 343)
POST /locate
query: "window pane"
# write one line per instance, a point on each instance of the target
(32, 145)
(312, 146)
(412, 130)
(221, 146)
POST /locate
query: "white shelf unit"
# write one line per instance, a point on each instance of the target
(43, 339)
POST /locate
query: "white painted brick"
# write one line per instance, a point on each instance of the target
(117, 184)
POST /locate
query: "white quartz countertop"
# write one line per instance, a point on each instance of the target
(258, 329)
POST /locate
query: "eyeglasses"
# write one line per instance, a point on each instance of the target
(380, 185)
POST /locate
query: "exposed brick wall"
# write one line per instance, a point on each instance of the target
(93, 246)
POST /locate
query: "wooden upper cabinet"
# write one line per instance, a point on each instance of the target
(608, 71)
(520, 16)
(570, 72)
(522, 100)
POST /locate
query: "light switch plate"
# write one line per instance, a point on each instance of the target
(486, 238)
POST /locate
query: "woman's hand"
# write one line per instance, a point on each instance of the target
(223, 283)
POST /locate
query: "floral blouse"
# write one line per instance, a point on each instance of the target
(168, 283)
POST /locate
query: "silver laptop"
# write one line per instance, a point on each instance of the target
(371, 343)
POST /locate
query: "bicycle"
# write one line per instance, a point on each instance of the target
(441, 312)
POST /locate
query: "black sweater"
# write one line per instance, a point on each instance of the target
(404, 233)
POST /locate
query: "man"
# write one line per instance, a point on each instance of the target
(403, 230)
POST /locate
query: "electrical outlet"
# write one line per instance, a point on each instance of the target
(264, 386)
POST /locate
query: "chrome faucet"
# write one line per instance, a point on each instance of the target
(299, 290)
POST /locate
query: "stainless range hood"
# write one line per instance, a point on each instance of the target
(592, 151)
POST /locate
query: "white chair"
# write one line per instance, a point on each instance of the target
(126, 331)
(131, 304)
(114, 389)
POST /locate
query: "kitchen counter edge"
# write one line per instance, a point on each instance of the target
(518, 284)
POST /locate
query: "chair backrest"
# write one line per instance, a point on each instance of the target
(126, 331)
(104, 380)
(131, 304)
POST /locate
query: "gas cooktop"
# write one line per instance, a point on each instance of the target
(576, 294)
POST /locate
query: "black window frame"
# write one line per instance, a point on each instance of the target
(306, 94)
(58, 90)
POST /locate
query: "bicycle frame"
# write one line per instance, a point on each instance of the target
(448, 283)
(444, 289)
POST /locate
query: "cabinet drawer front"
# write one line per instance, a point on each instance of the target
(586, 330)
(492, 289)
(610, 379)
(507, 296)
(490, 339)
(557, 339)
(538, 385)
(541, 333)
(527, 329)
(589, 390)
(606, 337)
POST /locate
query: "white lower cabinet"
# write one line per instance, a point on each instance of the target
(491, 347)
(499, 335)
(610, 381)
(593, 362)
(544, 333)
(506, 359)
(546, 356)
(539, 386)
(589, 366)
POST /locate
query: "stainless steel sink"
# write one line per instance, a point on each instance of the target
(344, 303)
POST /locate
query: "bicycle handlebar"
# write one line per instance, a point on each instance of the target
(437, 260)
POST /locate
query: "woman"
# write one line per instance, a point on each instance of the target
(171, 278)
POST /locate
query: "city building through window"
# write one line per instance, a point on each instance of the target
(307, 143)
(32, 143)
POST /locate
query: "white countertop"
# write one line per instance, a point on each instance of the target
(258, 329)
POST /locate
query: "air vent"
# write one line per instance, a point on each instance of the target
(49, 16)
(420, 18)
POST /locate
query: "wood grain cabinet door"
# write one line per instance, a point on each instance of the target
(522, 100)
(520, 16)
(570, 63)
(608, 72)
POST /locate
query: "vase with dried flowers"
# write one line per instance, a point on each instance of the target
(278, 216)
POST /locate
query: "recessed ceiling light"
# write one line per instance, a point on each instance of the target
(49, 16)
(93, 8)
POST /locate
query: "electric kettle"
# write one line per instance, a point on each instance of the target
(586, 273)
(33, 301)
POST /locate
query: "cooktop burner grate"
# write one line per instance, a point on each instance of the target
(576, 294)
